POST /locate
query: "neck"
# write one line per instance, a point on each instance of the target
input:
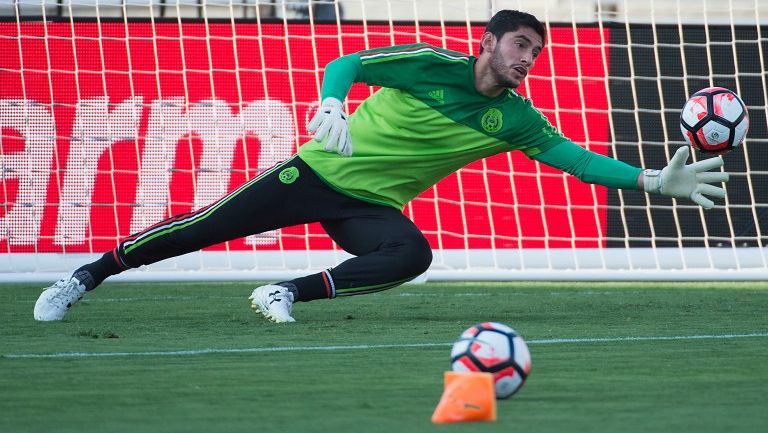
(484, 81)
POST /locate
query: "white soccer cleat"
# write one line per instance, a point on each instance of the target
(56, 300)
(274, 302)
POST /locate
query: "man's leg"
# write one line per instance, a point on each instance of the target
(266, 202)
(390, 251)
(389, 247)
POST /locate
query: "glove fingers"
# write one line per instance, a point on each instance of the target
(702, 201)
(317, 119)
(342, 147)
(334, 136)
(345, 145)
(322, 131)
(329, 146)
(330, 125)
(707, 164)
(679, 158)
(711, 190)
(712, 176)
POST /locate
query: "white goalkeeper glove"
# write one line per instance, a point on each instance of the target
(687, 181)
(330, 120)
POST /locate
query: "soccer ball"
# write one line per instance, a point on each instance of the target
(493, 348)
(714, 120)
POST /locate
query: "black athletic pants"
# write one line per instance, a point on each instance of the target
(389, 248)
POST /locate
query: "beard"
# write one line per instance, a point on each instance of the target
(499, 68)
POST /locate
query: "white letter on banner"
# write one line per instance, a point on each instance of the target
(95, 130)
(219, 130)
(168, 122)
(32, 167)
(272, 122)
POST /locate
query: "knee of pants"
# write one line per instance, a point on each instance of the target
(413, 254)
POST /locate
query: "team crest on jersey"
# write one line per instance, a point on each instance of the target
(492, 120)
(289, 175)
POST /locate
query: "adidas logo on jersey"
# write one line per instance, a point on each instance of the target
(438, 95)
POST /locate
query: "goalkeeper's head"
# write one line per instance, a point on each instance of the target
(508, 49)
(509, 21)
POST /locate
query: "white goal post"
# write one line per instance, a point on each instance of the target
(115, 114)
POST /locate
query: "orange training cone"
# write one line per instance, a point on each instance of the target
(467, 397)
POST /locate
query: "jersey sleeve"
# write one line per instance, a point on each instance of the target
(339, 76)
(590, 167)
(535, 134)
(395, 67)
(398, 66)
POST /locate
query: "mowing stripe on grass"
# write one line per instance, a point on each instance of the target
(366, 346)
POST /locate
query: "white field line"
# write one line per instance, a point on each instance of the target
(402, 294)
(366, 346)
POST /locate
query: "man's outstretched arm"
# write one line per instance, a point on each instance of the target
(677, 179)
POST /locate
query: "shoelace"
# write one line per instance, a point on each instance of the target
(65, 295)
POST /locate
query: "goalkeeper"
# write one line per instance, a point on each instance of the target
(436, 112)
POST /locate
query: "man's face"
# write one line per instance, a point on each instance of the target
(513, 56)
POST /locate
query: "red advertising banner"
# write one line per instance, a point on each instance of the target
(106, 128)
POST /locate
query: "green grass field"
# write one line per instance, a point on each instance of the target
(607, 357)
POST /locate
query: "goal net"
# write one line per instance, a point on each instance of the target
(115, 114)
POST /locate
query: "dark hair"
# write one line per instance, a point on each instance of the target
(509, 21)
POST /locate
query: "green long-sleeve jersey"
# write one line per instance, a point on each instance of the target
(428, 120)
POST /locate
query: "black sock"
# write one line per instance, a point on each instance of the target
(291, 288)
(308, 288)
(92, 274)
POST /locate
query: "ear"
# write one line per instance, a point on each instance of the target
(488, 41)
